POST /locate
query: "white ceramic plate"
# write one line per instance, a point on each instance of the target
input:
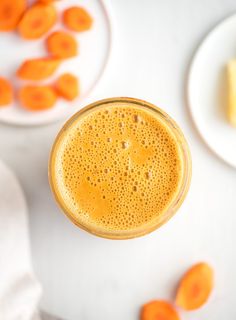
(207, 90)
(89, 65)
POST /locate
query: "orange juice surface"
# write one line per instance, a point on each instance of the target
(116, 167)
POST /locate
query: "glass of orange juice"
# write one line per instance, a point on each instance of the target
(120, 168)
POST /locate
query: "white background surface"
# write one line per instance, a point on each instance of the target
(87, 278)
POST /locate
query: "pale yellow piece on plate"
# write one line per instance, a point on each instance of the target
(231, 74)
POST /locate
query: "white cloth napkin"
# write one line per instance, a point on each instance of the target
(20, 291)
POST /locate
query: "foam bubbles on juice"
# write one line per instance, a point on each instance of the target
(118, 168)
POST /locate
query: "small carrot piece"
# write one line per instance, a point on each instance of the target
(159, 310)
(6, 92)
(10, 13)
(77, 19)
(67, 86)
(195, 287)
(37, 21)
(37, 98)
(38, 69)
(62, 45)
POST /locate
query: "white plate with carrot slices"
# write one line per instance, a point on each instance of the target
(53, 53)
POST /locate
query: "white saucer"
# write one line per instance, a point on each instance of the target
(207, 90)
(89, 65)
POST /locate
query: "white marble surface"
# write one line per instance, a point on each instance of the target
(87, 278)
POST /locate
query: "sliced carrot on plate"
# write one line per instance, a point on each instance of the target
(67, 86)
(195, 287)
(38, 69)
(77, 19)
(159, 310)
(62, 45)
(37, 21)
(10, 13)
(37, 98)
(6, 92)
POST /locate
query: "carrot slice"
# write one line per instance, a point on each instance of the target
(62, 45)
(159, 310)
(36, 98)
(195, 287)
(37, 20)
(38, 69)
(77, 19)
(10, 13)
(67, 86)
(6, 92)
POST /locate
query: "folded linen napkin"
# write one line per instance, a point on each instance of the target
(19, 289)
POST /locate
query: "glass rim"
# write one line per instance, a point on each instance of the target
(176, 201)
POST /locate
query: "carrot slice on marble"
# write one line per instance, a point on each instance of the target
(195, 287)
(159, 310)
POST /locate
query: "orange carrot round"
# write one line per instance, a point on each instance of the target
(10, 13)
(67, 86)
(77, 19)
(62, 45)
(159, 310)
(6, 92)
(37, 21)
(195, 287)
(37, 98)
(38, 69)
